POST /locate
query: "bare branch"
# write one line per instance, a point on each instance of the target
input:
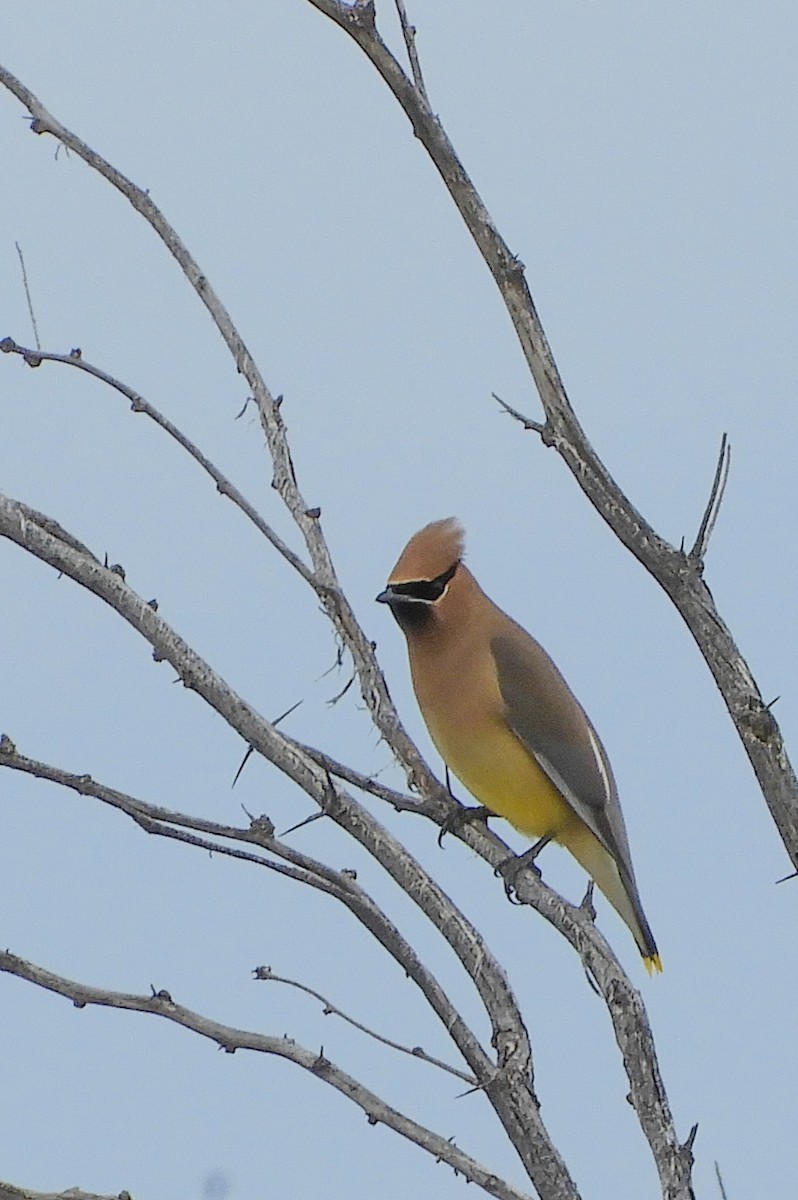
(339, 611)
(9, 1192)
(27, 295)
(161, 1004)
(712, 509)
(330, 1009)
(509, 1087)
(139, 405)
(409, 34)
(676, 573)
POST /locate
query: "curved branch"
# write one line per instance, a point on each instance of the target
(339, 611)
(227, 1038)
(509, 1084)
(514, 1103)
(34, 358)
(332, 1010)
(677, 573)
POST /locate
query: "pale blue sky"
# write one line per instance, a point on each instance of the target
(640, 159)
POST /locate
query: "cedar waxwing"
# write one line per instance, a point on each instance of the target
(505, 721)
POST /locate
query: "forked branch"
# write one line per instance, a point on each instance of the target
(161, 1004)
(677, 573)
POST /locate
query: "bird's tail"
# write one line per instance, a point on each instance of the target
(621, 893)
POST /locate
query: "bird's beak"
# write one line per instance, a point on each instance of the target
(386, 597)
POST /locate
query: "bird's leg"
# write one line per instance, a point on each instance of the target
(587, 906)
(462, 815)
(511, 867)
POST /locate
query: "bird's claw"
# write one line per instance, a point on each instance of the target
(510, 868)
(462, 815)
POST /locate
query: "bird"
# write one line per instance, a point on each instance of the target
(506, 723)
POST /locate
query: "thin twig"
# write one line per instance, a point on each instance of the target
(461, 935)
(307, 518)
(564, 432)
(712, 509)
(758, 730)
(720, 1182)
(330, 1009)
(409, 34)
(139, 405)
(27, 295)
(229, 1039)
(527, 422)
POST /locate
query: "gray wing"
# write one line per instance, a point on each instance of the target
(544, 713)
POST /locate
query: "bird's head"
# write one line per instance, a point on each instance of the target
(421, 579)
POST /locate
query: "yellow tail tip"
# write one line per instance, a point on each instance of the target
(653, 964)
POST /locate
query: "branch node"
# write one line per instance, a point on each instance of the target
(363, 13)
(760, 721)
(7, 747)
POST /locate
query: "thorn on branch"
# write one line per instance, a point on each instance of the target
(340, 695)
(244, 761)
(301, 824)
(587, 906)
(712, 509)
(287, 713)
(688, 1145)
(320, 1063)
(114, 568)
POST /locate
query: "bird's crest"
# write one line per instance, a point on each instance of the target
(430, 552)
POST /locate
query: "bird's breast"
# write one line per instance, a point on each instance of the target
(464, 714)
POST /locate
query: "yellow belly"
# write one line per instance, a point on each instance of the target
(501, 774)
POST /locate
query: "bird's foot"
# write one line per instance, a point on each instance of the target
(463, 815)
(510, 868)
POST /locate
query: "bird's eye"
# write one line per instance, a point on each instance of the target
(426, 590)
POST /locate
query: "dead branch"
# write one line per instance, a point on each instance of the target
(677, 573)
(161, 1004)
